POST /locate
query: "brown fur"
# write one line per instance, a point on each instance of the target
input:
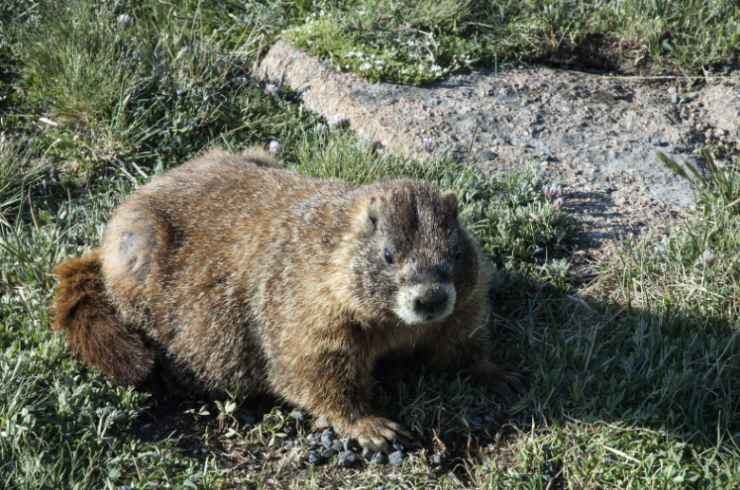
(92, 327)
(254, 279)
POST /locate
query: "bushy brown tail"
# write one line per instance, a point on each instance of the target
(92, 326)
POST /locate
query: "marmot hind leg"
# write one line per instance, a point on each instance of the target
(134, 240)
(92, 326)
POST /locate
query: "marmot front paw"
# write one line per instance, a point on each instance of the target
(374, 433)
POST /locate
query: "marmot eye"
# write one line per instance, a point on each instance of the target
(388, 256)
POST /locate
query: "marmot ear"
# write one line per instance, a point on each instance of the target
(373, 213)
(367, 215)
(449, 199)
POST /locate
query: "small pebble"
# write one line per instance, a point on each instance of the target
(708, 257)
(274, 147)
(124, 20)
(366, 453)
(379, 458)
(396, 458)
(312, 439)
(338, 446)
(346, 459)
(327, 454)
(436, 459)
(327, 438)
(314, 458)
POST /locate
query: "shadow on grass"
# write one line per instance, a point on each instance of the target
(586, 362)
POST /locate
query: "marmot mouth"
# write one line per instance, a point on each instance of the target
(425, 303)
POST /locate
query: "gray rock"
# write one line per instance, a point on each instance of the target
(314, 458)
(327, 438)
(396, 458)
(378, 458)
(346, 459)
(313, 440)
(327, 454)
(274, 147)
(124, 20)
(595, 132)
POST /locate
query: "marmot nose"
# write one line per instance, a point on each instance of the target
(431, 302)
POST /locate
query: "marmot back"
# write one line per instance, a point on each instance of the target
(232, 274)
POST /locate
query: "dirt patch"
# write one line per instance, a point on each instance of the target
(596, 135)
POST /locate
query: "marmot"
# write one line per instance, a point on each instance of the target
(237, 275)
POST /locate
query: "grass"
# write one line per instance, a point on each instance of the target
(633, 377)
(411, 41)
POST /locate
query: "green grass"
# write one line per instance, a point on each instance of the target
(412, 41)
(147, 93)
(633, 378)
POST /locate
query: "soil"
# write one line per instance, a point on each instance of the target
(596, 135)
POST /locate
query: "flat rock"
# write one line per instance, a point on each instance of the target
(597, 135)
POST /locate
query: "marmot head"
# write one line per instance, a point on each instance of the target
(413, 261)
